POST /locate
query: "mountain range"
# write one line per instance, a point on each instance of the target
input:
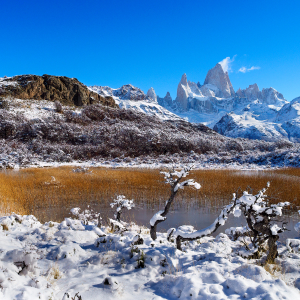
(248, 113)
(45, 120)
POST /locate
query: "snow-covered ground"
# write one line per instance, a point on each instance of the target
(40, 115)
(130, 97)
(271, 118)
(60, 260)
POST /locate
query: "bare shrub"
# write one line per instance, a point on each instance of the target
(4, 104)
(121, 202)
(261, 220)
(234, 145)
(173, 178)
(58, 107)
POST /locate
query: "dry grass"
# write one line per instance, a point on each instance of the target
(34, 191)
(218, 185)
(53, 274)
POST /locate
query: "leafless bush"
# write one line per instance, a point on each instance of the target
(99, 131)
(261, 217)
(174, 179)
(58, 107)
(234, 145)
(4, 104)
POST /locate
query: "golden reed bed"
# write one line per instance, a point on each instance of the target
(50, 192)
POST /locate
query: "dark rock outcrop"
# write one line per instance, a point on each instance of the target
(69, 91)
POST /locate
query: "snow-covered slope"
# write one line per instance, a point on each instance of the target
(262, 121)
(61, 260)
(289, 117)
(130, 97)
(247, 126)
(248, 113)
(289, 111)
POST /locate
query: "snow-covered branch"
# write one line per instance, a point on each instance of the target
(173, 178)
(297, 226)
(260, 216)
(182, 236)
(87, 216)
(121, 202)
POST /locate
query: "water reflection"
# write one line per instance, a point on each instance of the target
(28, 189)
(198, 216)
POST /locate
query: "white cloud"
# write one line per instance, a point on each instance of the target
(245, 70)
(226, 63)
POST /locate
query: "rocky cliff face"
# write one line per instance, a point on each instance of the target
(216, 84)
(183, 92)
(268, 96)
(68, 91)
(252, 92)
(151, 94)
(166, 101)
(168, 97)
(217, 77)
(125, 92)
(271, 96)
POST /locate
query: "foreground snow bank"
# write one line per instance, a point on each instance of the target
(59, 260)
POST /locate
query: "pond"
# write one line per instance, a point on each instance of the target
(50, 193)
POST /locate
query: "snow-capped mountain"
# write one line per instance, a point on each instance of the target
(289, 117)
(45, 120)
(130, 97)
(263, 120)
(249, 113)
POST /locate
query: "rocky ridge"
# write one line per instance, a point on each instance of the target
(217, 77)
(249, 113)
(151, 94)
(131, 97)
(69, 91)
(125, 92)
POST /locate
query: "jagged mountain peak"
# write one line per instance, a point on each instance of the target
(168, 96)
(217, 77)
(184, 79)
(254, 86)
(151, 94)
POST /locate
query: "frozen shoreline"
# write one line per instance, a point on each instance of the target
(70, 257)
(152, 165)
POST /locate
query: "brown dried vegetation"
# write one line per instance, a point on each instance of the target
(49, 193)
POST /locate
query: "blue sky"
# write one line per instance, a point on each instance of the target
(152, 43)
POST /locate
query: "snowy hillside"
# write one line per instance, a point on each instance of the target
(261, 121)
(43, 132)
(130, 97)
(250, 113)
(32, 132)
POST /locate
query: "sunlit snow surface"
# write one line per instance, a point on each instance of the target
(270, 120)
(70, 257)
(43, 111)
(130, 97)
